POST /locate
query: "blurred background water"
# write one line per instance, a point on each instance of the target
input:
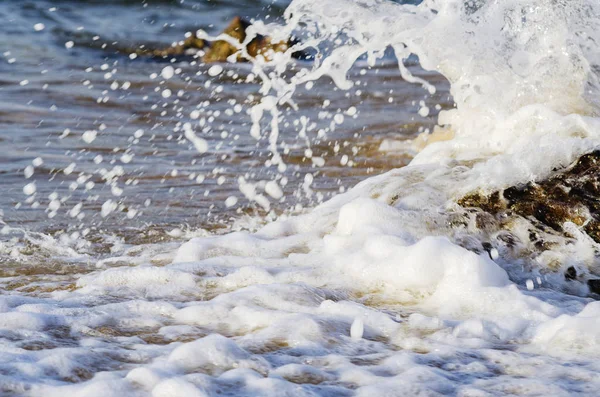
(65, 70)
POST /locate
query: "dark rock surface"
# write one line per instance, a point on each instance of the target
(570, 195)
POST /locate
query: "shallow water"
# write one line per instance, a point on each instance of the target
(64, 87)
(132, 264)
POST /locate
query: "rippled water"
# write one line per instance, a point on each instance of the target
(48, 89)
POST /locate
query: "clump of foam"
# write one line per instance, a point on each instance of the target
(147, 281)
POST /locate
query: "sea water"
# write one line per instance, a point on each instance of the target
(278, 285)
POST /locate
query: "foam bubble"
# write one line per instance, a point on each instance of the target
(29, 189)
(215, 70)
(167, 72)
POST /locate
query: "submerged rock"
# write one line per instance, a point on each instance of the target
(221, 50)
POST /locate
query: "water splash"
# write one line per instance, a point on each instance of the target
(512, 65)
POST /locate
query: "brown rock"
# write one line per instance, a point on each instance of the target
(572, 195)
(221, 50)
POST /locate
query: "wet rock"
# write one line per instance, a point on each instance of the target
(572, 195)
(571, 273)
(528, 223)
(594, 286)
(221, 50)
